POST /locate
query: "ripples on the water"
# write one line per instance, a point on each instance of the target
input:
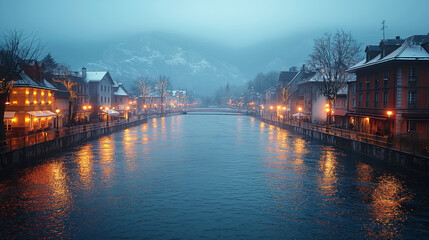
(194, 177)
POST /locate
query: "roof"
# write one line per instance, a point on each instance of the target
(26, 81)
(95, 76)
(372, 48)
(410, 50)
(120, 92)
(287, 76)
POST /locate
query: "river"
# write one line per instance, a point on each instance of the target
(211, 177)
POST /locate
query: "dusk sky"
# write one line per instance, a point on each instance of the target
(237, 39)
(232, 23)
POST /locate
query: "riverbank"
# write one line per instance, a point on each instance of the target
(394, 156)
(55, 141)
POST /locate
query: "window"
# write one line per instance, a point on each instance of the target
(412, 76)
(376, 99)
(360, 100)
(386, 79)
(411, 126)
(412, 98)
(376, 80)
(354, 102)
(385, 98)
(368, 81)
(367, 99)
(360, 82)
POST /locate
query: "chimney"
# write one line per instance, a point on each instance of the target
(398, 37)
(84, 72)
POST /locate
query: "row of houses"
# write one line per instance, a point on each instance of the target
(38, 103)
(387, 92)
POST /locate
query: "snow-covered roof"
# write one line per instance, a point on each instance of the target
(412, 50)
(26, 81)
(95, 76)
(120, 92)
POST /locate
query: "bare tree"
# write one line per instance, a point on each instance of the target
(162, 85)
(15, 48)
(284, 95)
(332, 55)
(144, 85)
(63, 76)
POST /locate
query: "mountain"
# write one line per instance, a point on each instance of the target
(187, 64)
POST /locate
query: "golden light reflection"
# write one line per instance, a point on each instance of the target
(387, 200)
(85, 164)
(45, 191)
(107, 149)
(129, 149)
(328, 166)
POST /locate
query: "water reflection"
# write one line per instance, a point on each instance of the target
(328, 165)
(44, 197)
(272, 182)
(107, 151)
(85, 160)
(387, 203)
(129, 142)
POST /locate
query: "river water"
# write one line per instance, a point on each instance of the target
(212, 177)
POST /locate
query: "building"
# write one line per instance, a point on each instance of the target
(100, 85)
(392, 85)
(30, 105)
(121, 100)
(297, 96)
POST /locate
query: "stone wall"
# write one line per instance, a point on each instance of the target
(400, 158)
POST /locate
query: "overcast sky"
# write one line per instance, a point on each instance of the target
(231, 23)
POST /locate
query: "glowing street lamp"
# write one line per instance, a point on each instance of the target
(57, 111)
(389, 113)
(299, 115)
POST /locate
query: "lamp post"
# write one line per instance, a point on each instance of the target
(389, 138)
(299, 116)
(328, 110)
(57, 111)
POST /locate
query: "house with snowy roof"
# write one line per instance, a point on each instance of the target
(30, 105)
(392, 85)
(100, 85)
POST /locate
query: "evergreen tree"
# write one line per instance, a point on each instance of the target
(49, 63)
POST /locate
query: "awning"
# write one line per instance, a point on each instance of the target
(45, 113)
(367, 116)
(111, 112)
(299, 115)
(339, 112)
(416, 117)
(9, 115)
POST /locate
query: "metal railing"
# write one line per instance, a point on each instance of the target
(401, 143)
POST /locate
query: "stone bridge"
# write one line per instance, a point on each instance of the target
(215, 110)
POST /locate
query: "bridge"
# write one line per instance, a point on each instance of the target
(215, 111)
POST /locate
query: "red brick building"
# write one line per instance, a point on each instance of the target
(391, 92)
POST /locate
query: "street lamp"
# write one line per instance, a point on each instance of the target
(57, 111)
(389, 114)
(299, 116)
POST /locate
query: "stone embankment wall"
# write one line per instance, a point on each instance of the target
(396, 157)
(43, 149)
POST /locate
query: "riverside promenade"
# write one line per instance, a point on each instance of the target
(19, 150)
(409, 154)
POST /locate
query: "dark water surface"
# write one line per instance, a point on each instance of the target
(212, 177)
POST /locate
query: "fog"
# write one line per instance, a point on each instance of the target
(243, 37)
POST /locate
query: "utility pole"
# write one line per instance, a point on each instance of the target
(383, 28)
